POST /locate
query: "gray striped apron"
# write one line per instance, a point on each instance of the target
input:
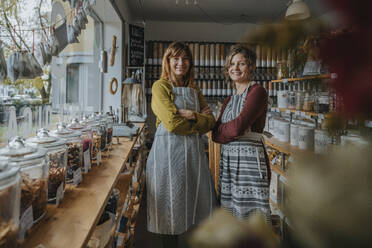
(180, 190)
(244, 183)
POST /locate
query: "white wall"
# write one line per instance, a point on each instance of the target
(110, 29)
(196, 31)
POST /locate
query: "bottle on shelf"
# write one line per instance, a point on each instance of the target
(224, 88)
(196, 54)
(258, 54)
(217, 55)
(271, 93)
(222, 55)
(291, 97)
(209, 87)
(263, 56)
(206, 54)
(212, 55)
(204, 88)
(268, 57)
(275, 94)
(202, 55)
(300, 96)
(308, 98)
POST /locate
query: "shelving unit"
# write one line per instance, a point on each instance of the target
(72, 224)
(287, 80)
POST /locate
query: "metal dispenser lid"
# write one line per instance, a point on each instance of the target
(44, 139)
(18, 151)
(63, 132)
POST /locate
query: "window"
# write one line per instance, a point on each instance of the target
(72, 83)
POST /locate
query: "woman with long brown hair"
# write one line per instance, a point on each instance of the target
(180, 190)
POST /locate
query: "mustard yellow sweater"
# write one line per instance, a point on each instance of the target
(166, 112)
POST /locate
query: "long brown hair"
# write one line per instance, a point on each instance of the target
(176, 49)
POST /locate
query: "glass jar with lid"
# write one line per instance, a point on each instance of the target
(87, 137)
(74, 152)
(34, 172)
(57, 161)
(308, 99)
(103, 129)
(291, 97)
(300, 96)
(110, 123)
(10, 199)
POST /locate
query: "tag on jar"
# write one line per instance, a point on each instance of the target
(288, 111)
(99, 158)
(87, 164)
(59, 195)
(77, 177)
(26, 222)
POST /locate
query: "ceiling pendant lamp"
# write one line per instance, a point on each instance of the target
(297, 10)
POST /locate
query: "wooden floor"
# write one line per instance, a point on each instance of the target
(145, 239)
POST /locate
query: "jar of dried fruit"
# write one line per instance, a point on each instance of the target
(34, 171)
(57, 155)
(74, 152)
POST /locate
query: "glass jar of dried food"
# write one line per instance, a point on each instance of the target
(74, 152)
(34, 171)
(10, 199)
(87, 137)
(57, 154)
(96, 142)
(110, 123)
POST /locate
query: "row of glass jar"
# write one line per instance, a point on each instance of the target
(45, 164)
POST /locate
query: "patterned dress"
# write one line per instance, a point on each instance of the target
(244, 183)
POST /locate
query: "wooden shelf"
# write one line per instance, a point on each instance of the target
(301, 112)
(278, 171)
(302, 78)
(72, 224)
(285, 147)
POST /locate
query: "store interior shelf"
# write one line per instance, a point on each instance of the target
(284, 80)
(301, 112)
(72, 224)
(284, 147)
(279, 171)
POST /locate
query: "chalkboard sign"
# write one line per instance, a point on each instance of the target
(136, 45)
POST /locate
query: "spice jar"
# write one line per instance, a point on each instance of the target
(291, 98)
(87, 137)
(57, 163)
(10, 199)
(34, 172)
(74, 152)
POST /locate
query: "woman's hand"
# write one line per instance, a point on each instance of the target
(188, 114)
(206, 110)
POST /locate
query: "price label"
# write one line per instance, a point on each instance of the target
(277, 110)
(99, 158)
(321, 116)
(87, 163)
(77, 177)
(333, 75)
(288, 111)
(26, 222)
(297, 113)
(303, 114)
(285, 80)
(59, 195)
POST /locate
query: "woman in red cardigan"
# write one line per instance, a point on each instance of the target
(244, 169)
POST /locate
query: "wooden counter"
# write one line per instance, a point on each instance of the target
(72, 224)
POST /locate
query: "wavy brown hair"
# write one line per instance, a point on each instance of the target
(247, 53)
(176, 49)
